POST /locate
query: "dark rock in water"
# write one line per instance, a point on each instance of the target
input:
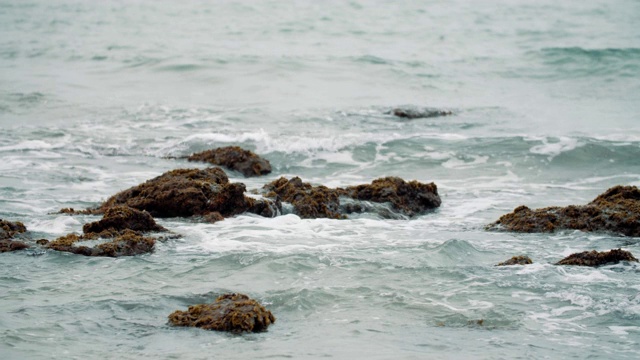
(128, 243)
(594, 258)
(235, 158)
(235, 313)
(418, 113)
(517, 260)
(42, 242)
(9, 229)
(185, 192)
(11, 245)
(119, 218)
(617, 210)
(408, 198)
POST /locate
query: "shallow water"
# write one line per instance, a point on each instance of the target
(545, 96)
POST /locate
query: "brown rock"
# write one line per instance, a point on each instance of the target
(418, 113)
(235, 158)
(118, 218)
(617, 210)
(407, 198)
(9, 229)
(129, 243)
(516, 260)
(11, 245)
(594, 258)
(235, 313)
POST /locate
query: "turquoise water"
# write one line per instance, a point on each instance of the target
(546, 99)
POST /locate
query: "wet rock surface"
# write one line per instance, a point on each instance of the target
(418, 113)
(595, 258)
(406, 198)
(119, 218)
(516, 260)
(617, 210)
(235, 313)
(8, 230)
(128, 243)
(235, 158)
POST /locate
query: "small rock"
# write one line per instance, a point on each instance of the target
(594, 258)
(235, 158)
(118, 218)
(235, 313)
(129, 243)
(11, 245)
(9, 229)
(418, 113)
(516, 260)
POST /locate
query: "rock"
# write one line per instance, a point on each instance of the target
(118, 218)
(128, 243)
(42, 242)
(235, 313)
(11, 245)
(617, 210)
(418, 113)
(9, 229)
(594, 258)
(516, 260)
(407, 198)
(185, 192)
(235, 158)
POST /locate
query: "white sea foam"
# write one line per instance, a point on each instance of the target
(59, 225)
(555, 148)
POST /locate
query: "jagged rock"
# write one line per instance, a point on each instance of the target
(407, 198)
(517, 260)
(617, 210)
(230, 312)
(594, 258)
(235, 158)
(417, 113)
(9, 229)
(11, 245)
(128, 243)
(118, 218)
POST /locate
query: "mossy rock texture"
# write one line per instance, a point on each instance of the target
(8, 230)
(119, 218)
(617, 211)
(235, 158)
(595, 258)
(128, 243)
(406, 198)
(418, 113)
(234, 313)
(516, 260)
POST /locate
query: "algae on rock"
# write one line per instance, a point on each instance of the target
(595, 258)
(235, 158)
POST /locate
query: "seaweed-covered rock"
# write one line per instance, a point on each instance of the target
(128, 243)
(119, 218)
(9, 229)
(617, 210)
(418, 113)
(594, 258)
(11, 245)
(235, 313)
(185, 192)
(516, 260)
(235, 158)
(407, 198)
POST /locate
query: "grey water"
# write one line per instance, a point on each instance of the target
(545, 95)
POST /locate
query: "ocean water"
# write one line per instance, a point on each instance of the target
(545, 95)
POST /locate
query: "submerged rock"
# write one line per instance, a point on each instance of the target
(617, 210)
(8, 230)
(230, 312)
(235, 158)
(594, 258)
(128, 243)
(516, 260)
(418, 113)
(407, 198)
(119, 218)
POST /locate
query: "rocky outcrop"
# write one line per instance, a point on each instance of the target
(418, 113)
(235, 313)
(8, 230)
(127, 243)
(516, 260)
(189, 192)
(235, 158)
(617, 210)
(594, 258)
(406, 198)
(119, 218)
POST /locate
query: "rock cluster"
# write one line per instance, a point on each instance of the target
(617, 210)
(407, 198)
(8, 230)
(235, 158)
(595, 258)
(235, 313)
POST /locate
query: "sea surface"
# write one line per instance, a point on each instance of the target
(96, 96)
